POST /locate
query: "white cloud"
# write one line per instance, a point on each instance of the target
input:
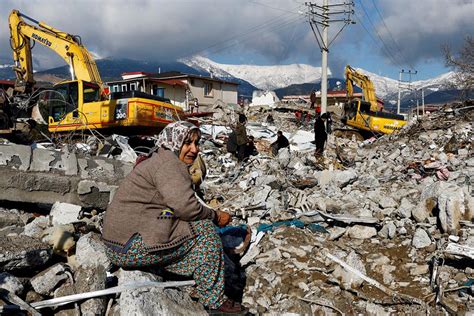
(421, 27)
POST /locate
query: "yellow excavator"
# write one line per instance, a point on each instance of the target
(365, 116)
(82, 103)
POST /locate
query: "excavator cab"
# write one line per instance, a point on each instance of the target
(66, 99)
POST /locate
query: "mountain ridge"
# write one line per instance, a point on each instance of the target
(284, 79)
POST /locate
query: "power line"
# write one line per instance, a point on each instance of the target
(274, 8)
(274, 22)
(251, 36)
(378, 35)
(390, 34)
(375, 40)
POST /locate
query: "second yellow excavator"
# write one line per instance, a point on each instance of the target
(81, 103)
(365, 115)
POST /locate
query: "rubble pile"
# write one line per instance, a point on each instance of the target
(398, 209)
(375, 227)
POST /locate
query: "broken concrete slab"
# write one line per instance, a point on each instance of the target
(10, 218)
(361, 232)
(64, 213)
(421, 239)
(23, 252)
(46, 281)
(90, 252)
(154, 301)
(42, 159)
(11, 283)
(15, 156)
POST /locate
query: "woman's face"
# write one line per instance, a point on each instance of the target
(190, 150)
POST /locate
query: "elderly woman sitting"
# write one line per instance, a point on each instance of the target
(155, 219)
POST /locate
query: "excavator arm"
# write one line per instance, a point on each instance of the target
(69, 47)
(362, 81)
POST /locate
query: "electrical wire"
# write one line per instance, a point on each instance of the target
(252, 36)
(275, 22)
(376, 42)
(387, 49)
(390, 34)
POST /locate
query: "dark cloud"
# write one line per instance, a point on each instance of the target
(159, 30)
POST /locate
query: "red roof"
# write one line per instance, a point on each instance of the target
(7, 82)
(171, 82)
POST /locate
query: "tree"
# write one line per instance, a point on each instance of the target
(463, 66)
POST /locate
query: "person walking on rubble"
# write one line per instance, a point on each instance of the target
(320, 135)
(155, 219)
(281, 142)
(312, 99)
(241, 137)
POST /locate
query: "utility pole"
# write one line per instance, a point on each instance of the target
(321, 17)
(423, 100)
(404, 84)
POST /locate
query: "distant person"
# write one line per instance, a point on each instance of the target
(232, 144)
(307, 118)
(298, 115)
(241, 137)
(270, 119)
(196, 105)
(281, 142)
(320, 135)
(312, 99)
(303, 117)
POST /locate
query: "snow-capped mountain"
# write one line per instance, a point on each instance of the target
(385, 86)
(262, 77)
(281, 76)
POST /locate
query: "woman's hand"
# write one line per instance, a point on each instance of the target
(222, 218)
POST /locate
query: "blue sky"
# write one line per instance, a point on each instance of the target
(388, 34)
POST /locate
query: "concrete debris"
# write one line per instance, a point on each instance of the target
(22, 252)
(45, 282)
(90, 252)
(11, 283)
(64, 213)
(383, 226)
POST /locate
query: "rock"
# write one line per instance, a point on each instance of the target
(152, 300)
(420, 270)
(344, 178)
(325, 177)
(450, 201)
(46, 281)
(88, 280)
(90, 252)
(348, 279)
(336, 232)
(11, 283)
(36, 228)
(376, 310)
(388, 231)
(421, 239)
(405, 209)
(361, 232)
(10, 218)
(388, 202)
(423, 210)
(64, 213)
(22, 252)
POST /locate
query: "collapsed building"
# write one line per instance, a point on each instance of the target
(375, 227)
